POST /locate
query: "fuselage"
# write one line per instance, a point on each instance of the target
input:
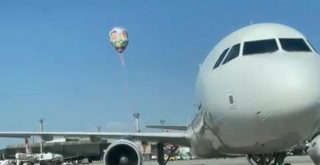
(260, 92)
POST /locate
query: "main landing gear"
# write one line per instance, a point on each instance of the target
(267, 159)
(160, 155)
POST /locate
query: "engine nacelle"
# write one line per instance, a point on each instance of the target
(314, 150)
(122, 152)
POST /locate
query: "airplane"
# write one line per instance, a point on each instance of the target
(259, 92)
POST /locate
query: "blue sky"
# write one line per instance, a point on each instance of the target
(56, 61)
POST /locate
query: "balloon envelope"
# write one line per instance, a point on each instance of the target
(119, 38)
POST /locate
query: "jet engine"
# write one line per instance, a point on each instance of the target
(314, 150)
(122, 152)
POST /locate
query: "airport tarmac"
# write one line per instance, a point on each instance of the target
(293, 160)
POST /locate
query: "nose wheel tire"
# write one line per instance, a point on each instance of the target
(267, 159)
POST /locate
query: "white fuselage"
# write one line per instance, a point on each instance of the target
(256, 104)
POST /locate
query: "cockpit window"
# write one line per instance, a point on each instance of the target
(259, 47)
(223, 54)
(233, 53)
(294, 44)
(314, 49)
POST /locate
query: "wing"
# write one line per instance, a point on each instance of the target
(164, 137)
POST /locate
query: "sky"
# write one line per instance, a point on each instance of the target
(56, 61)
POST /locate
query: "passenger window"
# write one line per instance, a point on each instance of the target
(233, 53)
(223, 54)
(260, 47)
(294, 44)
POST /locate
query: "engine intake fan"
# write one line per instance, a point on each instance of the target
(122, 152)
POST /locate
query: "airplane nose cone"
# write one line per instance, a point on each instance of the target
(297, 83)
(283, 95)
(295, 94)
(275, 100)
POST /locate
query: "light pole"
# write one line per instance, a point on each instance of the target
(162, 123)
(41, 130)
(136, 117)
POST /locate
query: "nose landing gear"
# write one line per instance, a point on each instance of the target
(267, 159)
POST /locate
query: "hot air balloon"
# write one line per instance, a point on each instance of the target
(119, 40)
